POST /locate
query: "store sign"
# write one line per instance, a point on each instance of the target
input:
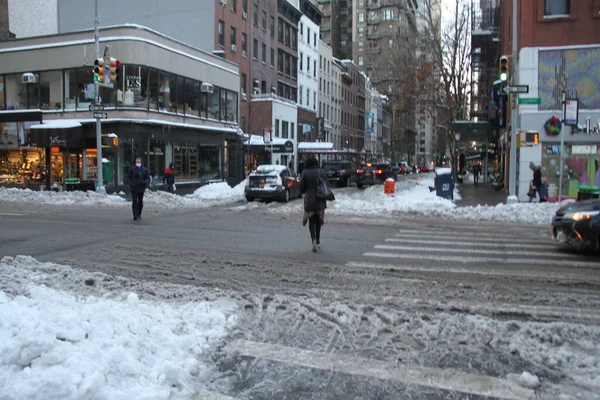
(57, 141)
(584, 149)
(571, 112)
(288, 147)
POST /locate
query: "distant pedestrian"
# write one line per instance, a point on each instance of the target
(476, 171)
(169, 178)
(139, 178)
(314, 207)
(536, 184)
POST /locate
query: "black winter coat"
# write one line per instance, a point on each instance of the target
(537, 178)
(138, 179)
(308, 187)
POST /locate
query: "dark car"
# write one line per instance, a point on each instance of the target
(374, 174)
(272, 182)
(340, 172)
(401, 168)
(578, 225)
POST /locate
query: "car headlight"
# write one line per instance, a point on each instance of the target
(582, 215)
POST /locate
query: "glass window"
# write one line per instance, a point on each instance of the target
(51, 90)
(315, 68)
(300, 95)
(301, 59)
(244, 43)
(294, 68)
(243, 82)
(167, 92)
(70, 89)
(135, 85)
(308, 35)
(192, 97)
(361, 17)
(264, 20)
(280, 31)
(292, 131)
(264, 53)
(255, 49)
(221, 33)
(19, 95)
(234, 5)
(284, 129)
(276, 128)
(232, 106)
(180, 89)
(2, 105)
(272, 57)
(255, 14)
(233, 35)
(223, 104)
(287, 35)
(153, 89)
(213, 104)
(245, 6)
(185, 157)
(280, 61)
(294, 39)
(272, 26)
(556, 7)
(209, 162)
(287, 64)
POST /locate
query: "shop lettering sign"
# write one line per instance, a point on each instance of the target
(57, 141)
(134, 82)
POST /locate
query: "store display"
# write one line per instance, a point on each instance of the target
(22, 167)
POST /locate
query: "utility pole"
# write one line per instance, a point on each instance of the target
(563, 100)
(512, 179)
(100, 180)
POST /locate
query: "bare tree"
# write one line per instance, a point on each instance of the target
(447, 73)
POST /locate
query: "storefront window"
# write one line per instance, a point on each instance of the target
(180, 95)
(167, 92)
(22, 167)
(210, 165)
(213, 104)
(232, 106)
(223, 108)
(51, 90)
(192, 97)
(86, 90)
(2, 104)
(70, 90)
(19, 95)
(185, 156)
(135, 86)
(153, 89)
(156, 159)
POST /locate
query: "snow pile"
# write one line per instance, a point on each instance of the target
(60, 198)
(529, 381)
(62, 346)
(414, 197)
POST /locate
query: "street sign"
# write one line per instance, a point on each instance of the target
(530, 100)
(571, 112)
(96, 107)
(517, 89)
(101, 115)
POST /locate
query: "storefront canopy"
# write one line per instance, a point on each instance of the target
(279, 145)
(21, 115)
(314, 147)
(60, 132)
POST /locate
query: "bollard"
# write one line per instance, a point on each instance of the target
(389, 186)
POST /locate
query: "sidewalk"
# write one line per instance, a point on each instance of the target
(479, 195)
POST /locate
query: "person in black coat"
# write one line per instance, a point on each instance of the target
(536, 184)
(138, 178)
(314, 208)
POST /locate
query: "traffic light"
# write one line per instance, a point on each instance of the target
(504, 73)
(532, 137)
(115, 72)
(99, 72)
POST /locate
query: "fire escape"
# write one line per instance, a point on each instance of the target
(485, 46)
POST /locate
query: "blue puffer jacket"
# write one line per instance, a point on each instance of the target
(138, 178)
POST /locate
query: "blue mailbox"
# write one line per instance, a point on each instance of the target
(444, 184)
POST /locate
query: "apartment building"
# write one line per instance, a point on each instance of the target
(353, 106)
(308, 72)
(326, 103)
(336, 29)
(559, 50)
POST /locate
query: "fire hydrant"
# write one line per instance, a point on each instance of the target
(389, 186)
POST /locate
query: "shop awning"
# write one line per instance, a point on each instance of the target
(59, 132)
(20, 115)
(314, 147)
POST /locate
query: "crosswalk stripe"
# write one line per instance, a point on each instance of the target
(472, 251)
(472, 239)
(438, 378)
(479, 244)
(464, 235)
(212, 396)
(570, 277)
(486, 260)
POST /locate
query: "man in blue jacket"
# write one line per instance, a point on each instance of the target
(139, 178)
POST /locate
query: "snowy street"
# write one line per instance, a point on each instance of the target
(211, 297)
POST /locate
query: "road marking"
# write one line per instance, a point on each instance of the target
(445, 379)
(465, 235)
(479, 244)
(11, 215)
(483, 260)
(472, 251)
(541, 275)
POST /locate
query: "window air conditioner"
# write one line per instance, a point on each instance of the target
(244, 53)
(207, 88)
(245, 15)
(244, 97)
(28, 77)
(233, 47)
(256, 91)
(223, 2)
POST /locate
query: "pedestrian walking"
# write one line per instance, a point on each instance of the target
(314, 207)
(139, 178)
(169, 178)
(536, 184)
(476, 171)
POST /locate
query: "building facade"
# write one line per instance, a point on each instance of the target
(336, 104)
(330, 26)
(308, 72)
(353, 106)
(173, 103)
(325, 108)
(559, 49)
(33, 17)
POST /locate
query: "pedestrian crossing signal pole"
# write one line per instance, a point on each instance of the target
(512, 169)
(99, 177)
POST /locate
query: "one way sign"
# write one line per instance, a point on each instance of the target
(517, 89)
(101, 115)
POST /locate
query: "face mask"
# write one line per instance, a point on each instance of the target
(138, 164)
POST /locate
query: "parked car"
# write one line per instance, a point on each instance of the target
(374, 174)
(578, 225)
(340, 172)
(401, 167)
(423, 168)
(272, 182)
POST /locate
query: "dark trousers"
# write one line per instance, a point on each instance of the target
(314, 226)
(137, 203)
(476, 179)
(170, 188)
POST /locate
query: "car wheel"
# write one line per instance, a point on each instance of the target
(286, 196)
(348, 181)
(249, 199)
(359, 185)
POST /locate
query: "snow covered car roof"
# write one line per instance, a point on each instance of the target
(269, 169)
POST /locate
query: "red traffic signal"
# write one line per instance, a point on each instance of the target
(113, 67)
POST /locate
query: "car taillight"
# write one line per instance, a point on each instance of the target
(359, 171)
(342, 172)
(290, 183)
(379, 172)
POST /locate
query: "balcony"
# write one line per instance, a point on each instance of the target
(374, 36)
(375, 50)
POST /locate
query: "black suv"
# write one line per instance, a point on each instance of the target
(374, 174)
(342, 172)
